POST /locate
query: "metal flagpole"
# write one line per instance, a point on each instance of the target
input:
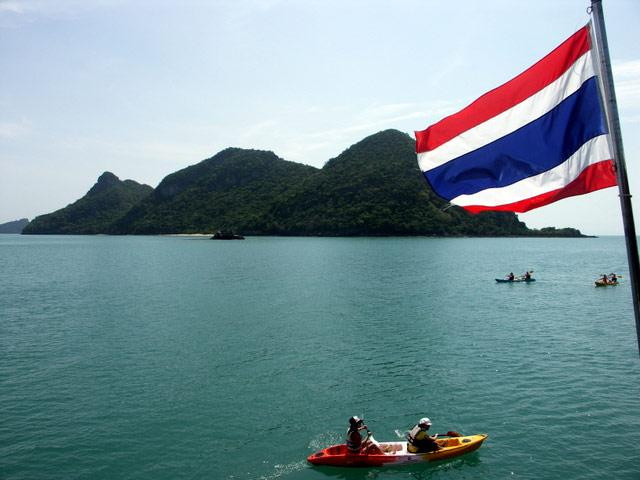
(611, 108)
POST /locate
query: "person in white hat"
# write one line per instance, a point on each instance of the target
(419, 440)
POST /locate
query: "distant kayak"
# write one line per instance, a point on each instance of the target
(610, 280)
(394, 453)
(515, 280)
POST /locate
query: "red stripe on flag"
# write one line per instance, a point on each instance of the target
(502, 98)
(595, 177)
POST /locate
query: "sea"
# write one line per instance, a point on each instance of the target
(167, 357)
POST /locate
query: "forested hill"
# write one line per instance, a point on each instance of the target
(376, 188)
(373, 188)
(104, 203)
(236, 189)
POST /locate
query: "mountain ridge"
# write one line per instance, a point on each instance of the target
(14, 226)
(374, 187)
(107, 200)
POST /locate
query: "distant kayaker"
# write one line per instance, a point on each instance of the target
(613, 278)
(419, 439)
(527, 275)
(354, 440)
(604, 278)
(511, 277)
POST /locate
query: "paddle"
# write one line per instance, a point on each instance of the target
(450, 433)
(370, 446)
(367, 439)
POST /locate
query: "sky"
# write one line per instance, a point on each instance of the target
(144, 88)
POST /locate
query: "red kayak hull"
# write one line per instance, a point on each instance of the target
(394, 453)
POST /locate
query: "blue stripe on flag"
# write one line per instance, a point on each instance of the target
(535, 148)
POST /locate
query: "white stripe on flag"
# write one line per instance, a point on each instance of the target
(595, 150)
(510, 120)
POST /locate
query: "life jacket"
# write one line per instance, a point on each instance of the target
(353, 441)
(424, 444)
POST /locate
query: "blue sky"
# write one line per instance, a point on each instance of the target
(144, 88)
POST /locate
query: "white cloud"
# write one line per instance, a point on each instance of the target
(12, 6)
(146, 161)
(629, 68)
(53, 8)
(12, 130)
(333, 128)
(627, 84)
(267, 127)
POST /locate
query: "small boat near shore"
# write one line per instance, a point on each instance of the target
(222, 235)
(380, 454)
(602, 283)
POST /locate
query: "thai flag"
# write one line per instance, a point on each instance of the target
(538, 138)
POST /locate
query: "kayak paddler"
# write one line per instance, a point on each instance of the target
(354, 440)
(419, 440)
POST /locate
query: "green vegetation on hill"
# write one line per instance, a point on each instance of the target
(105, 203)
(376, 188)
(373, 188)
(233, 190)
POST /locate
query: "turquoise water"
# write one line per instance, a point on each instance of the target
(181, 358)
